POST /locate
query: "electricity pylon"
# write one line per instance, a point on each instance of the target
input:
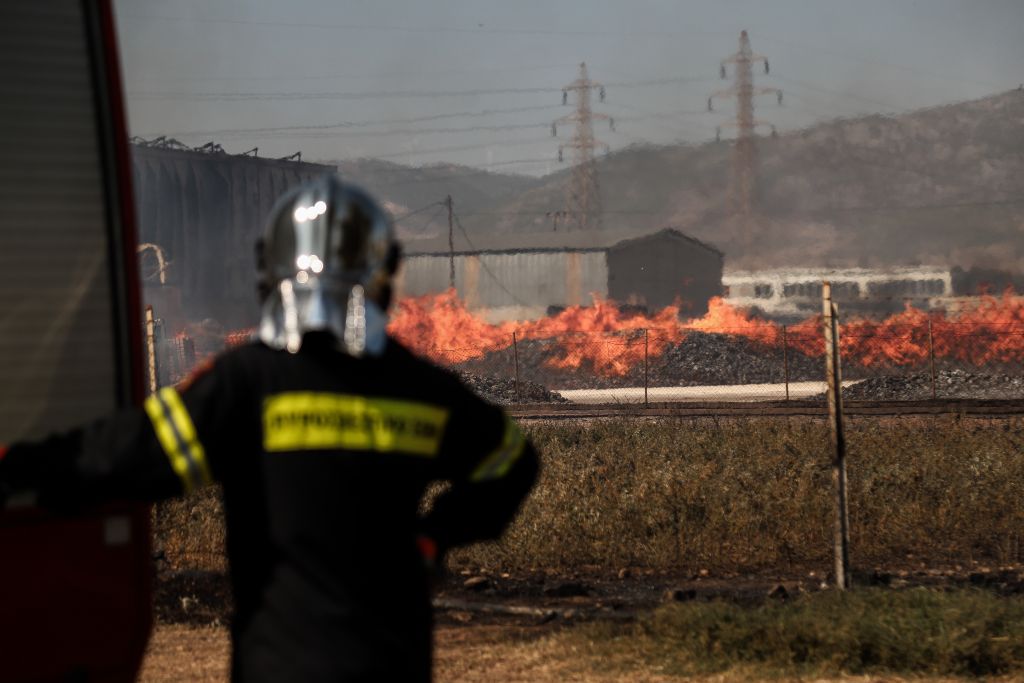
(744, 169)
(583, 196)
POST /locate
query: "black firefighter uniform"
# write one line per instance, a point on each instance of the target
(324, 459)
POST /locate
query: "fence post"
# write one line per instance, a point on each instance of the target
(515, 358)
(834, 377)
(151, 349)
(931, 357)
(645, 367)
(785, 358)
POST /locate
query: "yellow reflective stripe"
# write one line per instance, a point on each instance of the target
(187, 430)
(500, 461)
(169, 442)
(177, 436)
(297, 421)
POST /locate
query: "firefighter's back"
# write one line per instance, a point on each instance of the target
(322, 493)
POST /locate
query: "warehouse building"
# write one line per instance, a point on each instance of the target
(527, 276)
(200, 212)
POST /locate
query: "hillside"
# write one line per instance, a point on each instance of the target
(942, 185)
(407, 188)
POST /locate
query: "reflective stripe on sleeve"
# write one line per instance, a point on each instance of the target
(500, 461)
(177, 436)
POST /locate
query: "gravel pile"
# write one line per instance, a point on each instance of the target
(724, 359)
(699, 359)
(503, 391)
(948, 384)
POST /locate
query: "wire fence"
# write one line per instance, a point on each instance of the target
(763, 362)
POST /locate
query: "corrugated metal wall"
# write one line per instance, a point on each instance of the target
(511, 285)
(206, 211)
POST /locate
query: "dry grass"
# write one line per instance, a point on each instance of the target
(958, 633)
(734, 495)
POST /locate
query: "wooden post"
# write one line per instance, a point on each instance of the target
(834, 378)
(931, 357)
(515, 359)
(785, 358)
(451, 244)
(645, 366)
(151, 349)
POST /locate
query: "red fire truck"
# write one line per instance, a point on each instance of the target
(74, 588)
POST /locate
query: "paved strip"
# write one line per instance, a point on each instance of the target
(699, 394)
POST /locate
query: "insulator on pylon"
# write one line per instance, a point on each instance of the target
(779, 96)
(767, 69)
(611, 124)
(565, 97)
(554, 131)
(718, 134)
(710, 108)
(560, 158)
(600, 93)
(721, 71)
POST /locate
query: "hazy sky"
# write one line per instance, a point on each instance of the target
(414, 81)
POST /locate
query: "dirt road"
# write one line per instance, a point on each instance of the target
(465, 654)
(477, 653)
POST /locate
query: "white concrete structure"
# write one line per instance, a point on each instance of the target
(798, 291)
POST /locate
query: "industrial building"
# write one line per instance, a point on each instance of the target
(527, 276)
(200, 212)
(797, 292)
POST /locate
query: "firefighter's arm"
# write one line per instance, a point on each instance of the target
(149, 453)
(491, 466)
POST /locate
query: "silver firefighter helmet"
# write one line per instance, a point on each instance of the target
(326, 261)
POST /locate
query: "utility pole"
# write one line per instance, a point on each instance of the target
(451, 244)
(583, 198)
(744, 168)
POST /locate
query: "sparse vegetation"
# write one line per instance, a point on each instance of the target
(869, 631)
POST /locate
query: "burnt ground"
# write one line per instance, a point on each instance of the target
(541, 597)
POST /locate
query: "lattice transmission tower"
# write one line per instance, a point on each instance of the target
(583, 194)
(744, 170)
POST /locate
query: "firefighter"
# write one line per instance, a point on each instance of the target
(324, 434)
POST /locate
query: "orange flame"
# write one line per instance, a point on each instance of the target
(442, 328)
(610, 340)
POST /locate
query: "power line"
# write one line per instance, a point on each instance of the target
(372, 122)
(839, 93)
(322, 135)
(483, 265)
(369, 74)
(373, 94)
(438, 210)
(377, 94)
(459, 148)
(479, 29)
(415, 212)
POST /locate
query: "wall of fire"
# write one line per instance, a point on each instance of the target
(205, 211)
(649, 272)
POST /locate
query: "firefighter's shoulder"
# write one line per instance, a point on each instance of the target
(230, 361)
